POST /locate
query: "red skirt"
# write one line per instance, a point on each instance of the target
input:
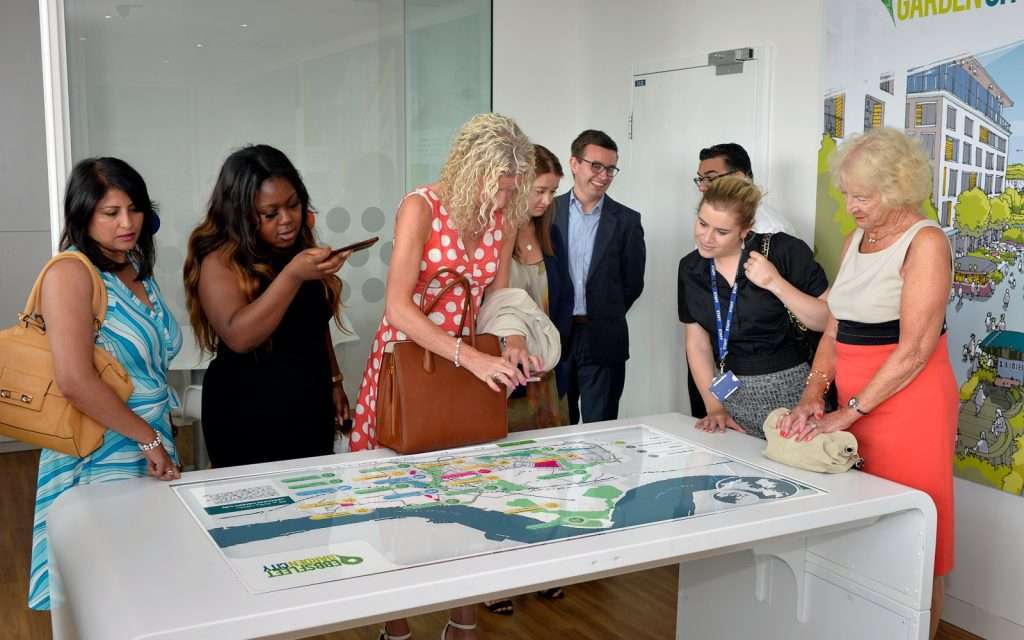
(909, 438)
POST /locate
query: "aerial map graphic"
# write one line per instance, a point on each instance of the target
(325, 523)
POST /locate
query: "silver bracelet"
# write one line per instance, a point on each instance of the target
(458, 347)
(152, 445)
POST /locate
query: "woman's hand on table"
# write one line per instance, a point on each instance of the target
(718, 421)
(159, 464)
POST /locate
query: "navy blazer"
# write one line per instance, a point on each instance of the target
(560, 300)
(615, 279)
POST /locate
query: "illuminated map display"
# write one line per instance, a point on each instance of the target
(324, 523)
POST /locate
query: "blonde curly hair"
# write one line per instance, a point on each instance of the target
(886, 160)
(488, 147)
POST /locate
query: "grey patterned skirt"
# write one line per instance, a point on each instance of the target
(759, 395)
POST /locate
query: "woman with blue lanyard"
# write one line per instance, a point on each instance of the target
(743, 353)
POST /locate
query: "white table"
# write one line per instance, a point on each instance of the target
(129, 562)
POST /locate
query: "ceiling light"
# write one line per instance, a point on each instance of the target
(107, 17)
(244, 26)
(199, 45)
(82, 38)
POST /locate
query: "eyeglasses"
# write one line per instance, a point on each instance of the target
(599, 167)
(709, 179)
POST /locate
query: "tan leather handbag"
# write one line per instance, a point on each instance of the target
(32, 408)
(425, 403)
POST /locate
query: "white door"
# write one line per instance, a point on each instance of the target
(677, 111)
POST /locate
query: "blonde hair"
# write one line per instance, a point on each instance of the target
(488, 147)
(736, 195)
(888, 161)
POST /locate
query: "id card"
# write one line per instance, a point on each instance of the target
(725, 385)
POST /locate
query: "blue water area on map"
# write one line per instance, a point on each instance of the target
(658, 501)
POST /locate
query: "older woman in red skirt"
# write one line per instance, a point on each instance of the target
(885, 345)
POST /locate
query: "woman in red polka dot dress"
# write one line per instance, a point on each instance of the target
(466, 222)
(461, 222)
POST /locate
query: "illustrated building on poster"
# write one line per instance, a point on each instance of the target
(956, 108)
(1007, 350)
(1015, 176)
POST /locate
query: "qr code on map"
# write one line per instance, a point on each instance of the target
(244, 494)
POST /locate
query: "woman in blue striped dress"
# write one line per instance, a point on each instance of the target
(109, 217)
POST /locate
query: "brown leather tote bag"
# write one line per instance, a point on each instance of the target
(425, 403)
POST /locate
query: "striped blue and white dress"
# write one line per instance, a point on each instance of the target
(144, 340)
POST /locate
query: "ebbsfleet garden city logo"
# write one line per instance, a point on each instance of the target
(913, 9)
(292, 567)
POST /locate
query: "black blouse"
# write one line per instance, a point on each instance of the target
(761, 339)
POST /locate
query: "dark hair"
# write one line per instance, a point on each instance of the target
(736, 157)
(545, 162)
(232, 224)
(89, 182)
(595, 137)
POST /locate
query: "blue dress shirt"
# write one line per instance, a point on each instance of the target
(582, 233)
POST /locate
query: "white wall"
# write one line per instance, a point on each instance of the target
(24, 213)
(532, 82)
(574, 73)
(983, 592)
(24, 207)
(562, 67)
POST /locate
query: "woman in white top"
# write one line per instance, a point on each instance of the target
(885, 344)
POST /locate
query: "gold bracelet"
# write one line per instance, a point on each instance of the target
(817, 373)
(337, 379)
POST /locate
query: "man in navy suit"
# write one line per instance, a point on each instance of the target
(607, 256)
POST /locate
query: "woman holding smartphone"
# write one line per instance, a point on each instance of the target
(261, 295)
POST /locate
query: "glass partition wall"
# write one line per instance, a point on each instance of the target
(363, 95)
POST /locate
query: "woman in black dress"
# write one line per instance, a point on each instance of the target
(261, 295)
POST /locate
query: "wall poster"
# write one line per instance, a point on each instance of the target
(951, 73)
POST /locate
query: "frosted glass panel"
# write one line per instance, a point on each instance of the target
(448, 81)
(174, 86)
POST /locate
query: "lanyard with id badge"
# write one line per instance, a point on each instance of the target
(725, 383)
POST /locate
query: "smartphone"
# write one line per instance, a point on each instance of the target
(355, 246)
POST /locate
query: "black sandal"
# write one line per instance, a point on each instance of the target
(501, 607)
(554, 593)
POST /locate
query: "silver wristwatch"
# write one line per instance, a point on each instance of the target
(854, 404)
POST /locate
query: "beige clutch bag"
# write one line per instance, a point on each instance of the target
(827, 453)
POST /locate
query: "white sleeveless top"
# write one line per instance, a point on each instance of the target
(869, 286)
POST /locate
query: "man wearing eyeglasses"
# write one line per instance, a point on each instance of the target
(607, 257)
(726, 159)
(729, 158)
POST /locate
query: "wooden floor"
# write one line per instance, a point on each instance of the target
(605, 609)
